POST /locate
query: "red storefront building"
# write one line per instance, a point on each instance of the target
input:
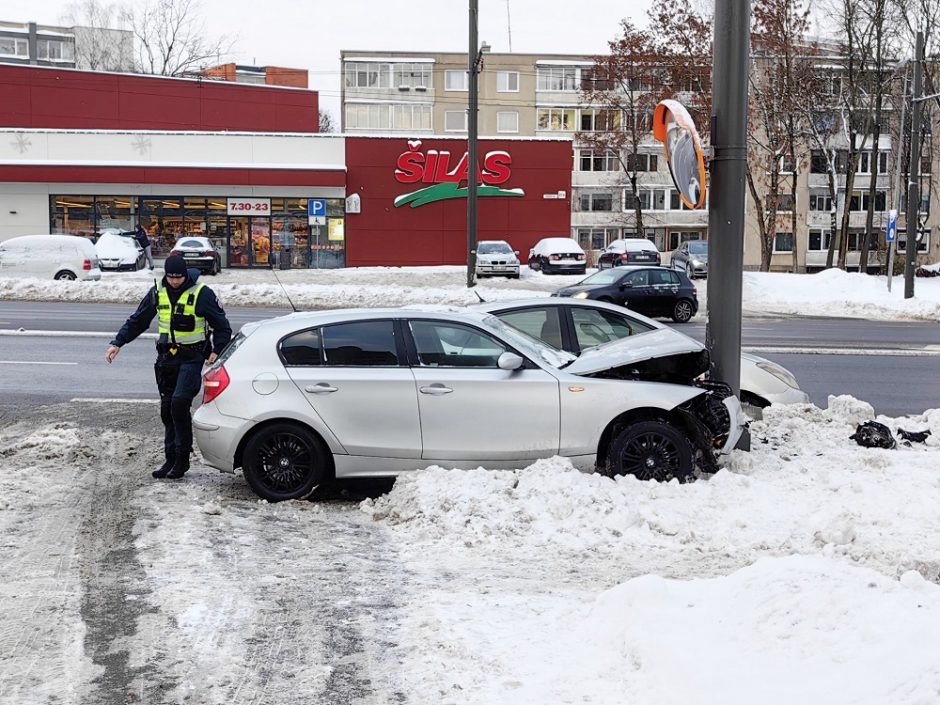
(245, 166)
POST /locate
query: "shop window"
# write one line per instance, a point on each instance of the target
(507, 81)
(507, 121)
(114, 213)
(73, 215)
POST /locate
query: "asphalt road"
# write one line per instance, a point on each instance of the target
(892, 365)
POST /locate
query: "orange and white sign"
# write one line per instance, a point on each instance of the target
(673, 126)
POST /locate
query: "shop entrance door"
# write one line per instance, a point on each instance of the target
(249, 241)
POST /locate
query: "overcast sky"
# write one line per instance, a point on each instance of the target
(310, 34)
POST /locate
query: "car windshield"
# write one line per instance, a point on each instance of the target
(699, 247)
(527, 344)
(604, 276)
(494, 248)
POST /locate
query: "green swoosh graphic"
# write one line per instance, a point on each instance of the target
(445, 191)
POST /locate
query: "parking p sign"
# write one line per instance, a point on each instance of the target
(316, 211)
(892, 231)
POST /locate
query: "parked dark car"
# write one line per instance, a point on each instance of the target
(691, 258)
(631, 250)
(652, 291)
(199, 253)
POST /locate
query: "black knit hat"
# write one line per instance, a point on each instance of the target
(175, 265)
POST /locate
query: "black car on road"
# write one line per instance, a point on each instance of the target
(652, 291)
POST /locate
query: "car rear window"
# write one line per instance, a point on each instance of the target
(361, 344)
(190, 243)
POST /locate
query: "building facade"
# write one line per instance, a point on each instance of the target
(66, 47)
(539, 95)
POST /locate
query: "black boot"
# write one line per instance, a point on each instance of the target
(164, 469)
(180, 466)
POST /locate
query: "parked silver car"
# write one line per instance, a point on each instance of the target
(576, 325)
(298, 399)
(495, 258)
(691, 258)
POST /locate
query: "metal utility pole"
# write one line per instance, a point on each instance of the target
(913, 183)
(473, 70)
(728, 188)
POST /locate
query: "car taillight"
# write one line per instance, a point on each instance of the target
(214, 383)
(174, 252)
(207, 253)
(579, 257)
(554, 257)
(624, 257)
(86, 265)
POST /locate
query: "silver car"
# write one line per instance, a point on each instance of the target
(495, 258)
(576, 325)
(299, 399)
(691, 258)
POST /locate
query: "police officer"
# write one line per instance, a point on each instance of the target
(187, 311)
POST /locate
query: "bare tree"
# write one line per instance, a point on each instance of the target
(172, 39)
(99, 43)
(326, 121)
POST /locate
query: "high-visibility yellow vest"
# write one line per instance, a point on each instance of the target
(183, 312)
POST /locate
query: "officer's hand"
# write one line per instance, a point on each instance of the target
(212, 358)
(112, 353)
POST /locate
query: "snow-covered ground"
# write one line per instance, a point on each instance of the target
(831, 293)
(805, 572)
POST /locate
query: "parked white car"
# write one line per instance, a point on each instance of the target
(558, 255)
(495, 258)
(119, 250)
(49, 257)
(663, 354)
(299, 399)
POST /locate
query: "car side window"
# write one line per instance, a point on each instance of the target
(664, 277)
(302, 349)
(360, 344)
(674, 279)
(452, 345)
(637, 278)
(594, 327)
(541, 323)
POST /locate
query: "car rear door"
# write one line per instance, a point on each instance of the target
(664, 290)
(633, 291)
(471, 409)
(359, 384)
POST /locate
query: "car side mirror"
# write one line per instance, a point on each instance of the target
(509, 361)
(626, 285)
(515, 252)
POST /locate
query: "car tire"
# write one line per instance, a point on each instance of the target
(65, 275)
(683, 311)
(651, 450)
(514, 276)
(689, 272)
(284, 461)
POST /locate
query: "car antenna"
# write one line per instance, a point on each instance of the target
(286, 295)
(482, 300)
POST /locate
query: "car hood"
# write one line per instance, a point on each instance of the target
(507, 257)
(112, 247)
(661, 343)
(571, 290)
(700, 258)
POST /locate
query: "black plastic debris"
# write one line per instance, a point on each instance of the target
(914, 436)
(872, 434)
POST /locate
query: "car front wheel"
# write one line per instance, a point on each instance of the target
(683, 311)
(651, 450)
(284, 461)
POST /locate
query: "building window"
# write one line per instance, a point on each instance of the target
(411, 117)
(654, 199)
(818, 240)
(362, 74)
(595, 161)
(507, 81)
(860, 201)
(455, 80)
(11, 46)
(783, 242)
(642, 162)
(507, 121)
(386, 116)
(923, 242)
(556, 119)
(786, 165)
(557, 78)
(596, 120)
(455, 121)
(855, 242)
(784, 202)
(820, 202)
(677, 237)
(818, 164)
(596, 238)
(597, 202)
(55, 50)
(417, 75)
(864, 163)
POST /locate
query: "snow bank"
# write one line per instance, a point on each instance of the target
(830, 293)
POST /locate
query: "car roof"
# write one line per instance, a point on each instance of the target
(500, 306)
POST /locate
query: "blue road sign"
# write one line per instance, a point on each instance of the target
(892, 227)
(316, 207)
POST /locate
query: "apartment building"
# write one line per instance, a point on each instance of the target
(66, 47)
(538, 95)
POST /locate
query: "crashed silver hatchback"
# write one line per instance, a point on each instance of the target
(297, 400)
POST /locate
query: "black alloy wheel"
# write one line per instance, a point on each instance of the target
(683, 311)
(284, 461)
(651, 450)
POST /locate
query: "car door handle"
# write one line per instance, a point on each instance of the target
(321, 388)
(436, 390)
